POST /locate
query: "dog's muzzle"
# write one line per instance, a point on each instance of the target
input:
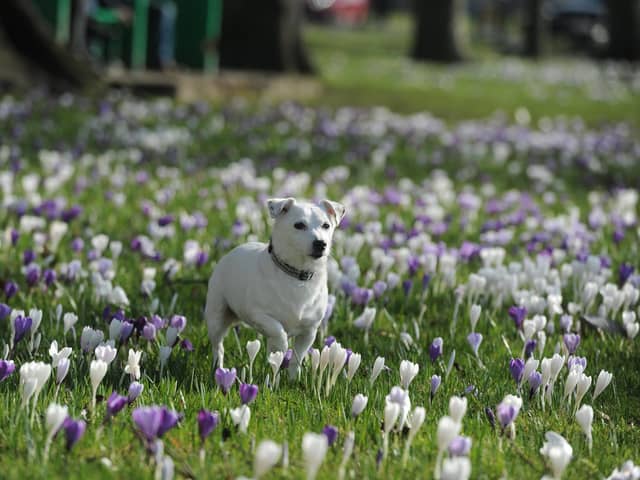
(317, 248)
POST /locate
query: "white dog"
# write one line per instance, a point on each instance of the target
(279, 288)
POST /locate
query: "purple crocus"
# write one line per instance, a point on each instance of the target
(5, 310)
(186, 345)
(406, 287)
(115, 403)
(474, 339)
(21, 326)
(126, 330)
(149, 331)
(248, 393)
(288, 355)
(153, 422)
(379, 288)
(28, 256)
(225, 378)
(518, 315)
(135, 389)
(573, 360)
(49, 276)
(207, 423)
(624, 272)
(535, 380)
(329, 340)
(529, 347)
(571, 341)
(331, 433)
(32, 274)
(460, 446)
(435, 349)
(506, 414)
(516, 367)
(10, 289)
(7, 367)
(73, 431)
(436, 380)
(178, 322)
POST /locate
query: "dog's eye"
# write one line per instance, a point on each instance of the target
(326, 226)
(300, 226)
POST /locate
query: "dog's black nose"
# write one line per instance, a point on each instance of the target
(319, 245)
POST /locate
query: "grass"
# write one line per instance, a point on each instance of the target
(105, 144)
(370, 65)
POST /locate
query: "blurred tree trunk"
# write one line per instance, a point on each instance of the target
(624, 29)
(435, 36)
(263, 35)
(31, 37)
(532, 23)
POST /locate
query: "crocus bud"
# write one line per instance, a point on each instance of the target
(359, 404)
(314, 449)
(268, 454)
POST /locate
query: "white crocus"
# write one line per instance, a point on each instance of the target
(268, 454)
(62, 369)
(90, 339)
(353, 364)
(133, 364)
(69, 320)
(115, 328)
(253, 346)
(530, 366)
(391, 413)
(106, 352)
(408, 371)
(584, 417)
(604, 378)
(365, 321)
(457, 408)
(163, 356)
(378, 366)
(275, 360)
(558, 453)
(583, 386)
(33, 376)
(448, 429)
(456, 468)
(474, 316)
(359, 404)
(337, 358)
(57, 355)
(415, 421)
(54, 418)
(347, 451)
(97, 371)
(240, 417)
(571, 382)
(314, 449)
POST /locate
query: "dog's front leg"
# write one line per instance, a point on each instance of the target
(273, 330)
(301, 345)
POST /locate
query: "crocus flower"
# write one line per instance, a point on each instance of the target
(507, 411)
(133, 364)
(571, 341)
(516, 367)
(415, 421)
(474, 339)
(268, 454)
(358, 405)
(106, 352)
(391, 413)
(535, 380)
(248, 393)
(240, 417)
(135, 389)
(460, 446)
(584, 417)
(557, 452)
(491, 417)
(529, 348)
(115, 403)
(21, 326)
(54, 418)
(604, 378)
(331, 433)
(207, 423)
(457, 408)
(7, 367)
(435, 349)
(149, 331)
(352, 365)
(154, 421)
(252, 350)
(378, 366)
(436, 380)
(518, 315)
(97, 371)
(448, 429)
(10, 289)
(5, 310)
(584, 383)
(225, 378)
(68, 321)
(62, 369)
(33, 376)
(408, 371)
(275, 360)
(474, 315)
(73, 431)
(314, 449)
(286, 359)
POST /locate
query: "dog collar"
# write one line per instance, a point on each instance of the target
(302, 275)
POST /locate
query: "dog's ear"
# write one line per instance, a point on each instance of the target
(279, 206)
(335, 210)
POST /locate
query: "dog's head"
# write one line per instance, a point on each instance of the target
(303, 231)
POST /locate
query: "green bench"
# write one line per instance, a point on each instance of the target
(197, 31)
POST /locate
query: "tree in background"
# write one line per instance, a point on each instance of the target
(435, 31)
(263, 35)
(624, 29)
(532, 28)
